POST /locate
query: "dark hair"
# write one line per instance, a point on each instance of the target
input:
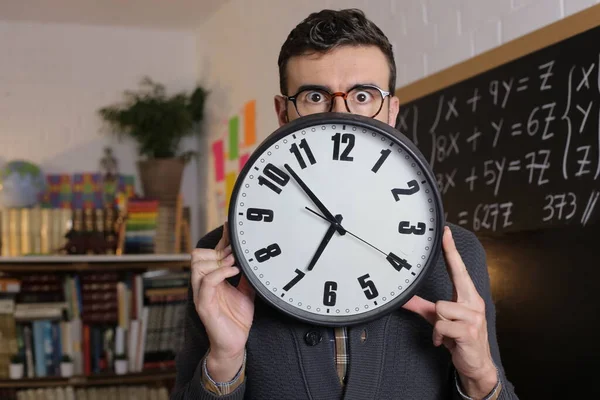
(328, 29)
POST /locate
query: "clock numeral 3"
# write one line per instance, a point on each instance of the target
(267, 253)
(278, 178)
(413, 187)
(259, 214)
(346, 138)
(329, 295)
(297, 278)
(295, 149)
(406, 228)
(397, 262)
(384, 155)
(370, 289)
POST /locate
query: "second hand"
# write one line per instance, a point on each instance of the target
(347, 231)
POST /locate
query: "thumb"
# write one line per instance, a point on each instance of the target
(424, 308)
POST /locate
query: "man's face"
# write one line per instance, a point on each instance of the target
(339, 70)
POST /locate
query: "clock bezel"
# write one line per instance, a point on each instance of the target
(338, 119)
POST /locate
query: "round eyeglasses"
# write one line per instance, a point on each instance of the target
(365, 100)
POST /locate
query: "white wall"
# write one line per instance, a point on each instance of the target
(239, 61)
(53, 78)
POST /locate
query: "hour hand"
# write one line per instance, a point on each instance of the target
(324, 242)
(328, 215)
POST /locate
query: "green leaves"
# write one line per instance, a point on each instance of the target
(156, 121)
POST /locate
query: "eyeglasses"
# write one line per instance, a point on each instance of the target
(365, 100)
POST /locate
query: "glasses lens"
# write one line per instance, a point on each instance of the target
(364, 101)
(313, 101)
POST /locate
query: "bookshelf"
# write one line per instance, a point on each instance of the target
(94, 262)
(145, 295)
(149, 378)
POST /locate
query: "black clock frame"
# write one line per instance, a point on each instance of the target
(332, 118)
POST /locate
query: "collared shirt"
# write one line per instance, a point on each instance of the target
(342, 360)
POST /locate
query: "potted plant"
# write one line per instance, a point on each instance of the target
(158, 122)
(16, 366)
(120, 364)
(66, 366)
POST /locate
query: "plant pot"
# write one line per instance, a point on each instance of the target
(15, 371)
(160, 178)
(66, 369)
(120, 367)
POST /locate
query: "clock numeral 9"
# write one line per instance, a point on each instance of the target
(295, 149)
(347, 138)
(329, 295)
(405, 228)
(276, 175)
(267, 253)
(370, 289)
(259, 214)
(413, 187)
(397, 262)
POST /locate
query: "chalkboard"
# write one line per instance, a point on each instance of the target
(517, 147)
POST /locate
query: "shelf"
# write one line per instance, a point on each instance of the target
(150, 377)
(94, 262)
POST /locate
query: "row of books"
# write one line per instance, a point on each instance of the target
(92, 318)
(92, 393)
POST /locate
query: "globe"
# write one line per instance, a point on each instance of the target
(21, 184)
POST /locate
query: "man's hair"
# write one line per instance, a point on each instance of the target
(327, 29)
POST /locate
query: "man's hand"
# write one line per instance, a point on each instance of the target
(226, 311)
(460, 325)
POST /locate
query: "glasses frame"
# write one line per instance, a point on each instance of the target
(343, 95)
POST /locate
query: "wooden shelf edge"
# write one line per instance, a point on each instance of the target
(126, 258)
(96, 380)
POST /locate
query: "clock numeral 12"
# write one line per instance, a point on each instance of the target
(278, 177)
(370, 289)
(384, 155)
(259, 214)
(413, 187)
(397, 262)
(347, 138)
(406, 228)
(272, 250)
(295, 149)
(329, 295)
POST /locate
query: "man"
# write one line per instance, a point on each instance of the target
(441, 344)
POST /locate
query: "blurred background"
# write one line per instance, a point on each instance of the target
(62, 61)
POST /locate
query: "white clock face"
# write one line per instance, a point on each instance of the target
(388, 213)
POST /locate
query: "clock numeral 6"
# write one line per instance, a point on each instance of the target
(406, 228)
(370, 289)
(347, 138)
(267, 253)
(278, 178)
(329, 295)
(397, 262)
(413, 187)
(259, 214)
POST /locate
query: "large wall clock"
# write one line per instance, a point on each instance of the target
(336, 219)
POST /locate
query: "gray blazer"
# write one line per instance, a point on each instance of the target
(397, 361)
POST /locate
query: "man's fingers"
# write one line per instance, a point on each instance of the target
(212, 280)
(199, 255)
(463, 285)
(424, 308)
(202, 267)
(448, 329)
(224, 241)
(452, 311)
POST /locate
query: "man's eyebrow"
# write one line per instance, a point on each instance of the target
(313, 87)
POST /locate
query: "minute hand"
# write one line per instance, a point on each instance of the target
(328, 215)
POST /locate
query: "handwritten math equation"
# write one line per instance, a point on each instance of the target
(522, 147)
